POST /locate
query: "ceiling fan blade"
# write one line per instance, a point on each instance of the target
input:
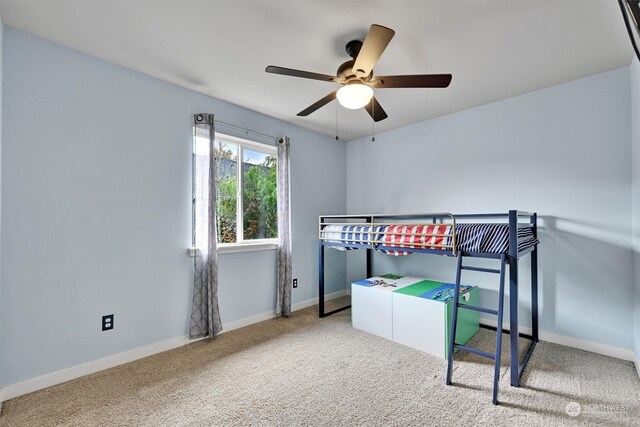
(374, 44)
(321, 103)
(300, 73)
(375, 110)
(417, 80)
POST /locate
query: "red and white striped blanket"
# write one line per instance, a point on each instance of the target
(414, 237)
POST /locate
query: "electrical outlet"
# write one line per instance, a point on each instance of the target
(107, 322)
(295, 283)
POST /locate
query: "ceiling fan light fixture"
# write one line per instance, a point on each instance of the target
(354, 95)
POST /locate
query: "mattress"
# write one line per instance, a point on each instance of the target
(483, 238)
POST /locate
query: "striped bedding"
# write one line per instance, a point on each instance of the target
(491, 238)
(409, 237)
(485, 238)
(349, 234)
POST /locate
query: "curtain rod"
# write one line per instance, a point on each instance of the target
(245, 129)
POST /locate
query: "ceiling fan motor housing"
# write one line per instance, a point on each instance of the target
(345, 70)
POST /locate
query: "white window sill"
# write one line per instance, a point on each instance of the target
(230, 248)
(243, 247)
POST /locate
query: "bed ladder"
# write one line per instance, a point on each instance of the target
(452, 344)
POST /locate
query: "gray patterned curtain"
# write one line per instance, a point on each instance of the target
(283, 303)
(205, 315)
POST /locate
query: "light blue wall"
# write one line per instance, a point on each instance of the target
(563, 152)
(1, 36)
(635, 141)
(96, 190)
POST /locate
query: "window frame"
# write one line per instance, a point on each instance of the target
(242, 245)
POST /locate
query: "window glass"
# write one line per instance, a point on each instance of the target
(226, 155)
(259, 196)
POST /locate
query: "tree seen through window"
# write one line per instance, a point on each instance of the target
(258, 195)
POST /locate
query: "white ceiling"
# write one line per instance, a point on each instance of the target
(495, 49)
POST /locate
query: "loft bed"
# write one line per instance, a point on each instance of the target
(504, 236)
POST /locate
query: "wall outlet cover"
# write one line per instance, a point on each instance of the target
(107, 322)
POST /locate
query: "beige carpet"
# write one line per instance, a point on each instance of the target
(306, 371)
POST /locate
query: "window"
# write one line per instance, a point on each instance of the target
(246, 202)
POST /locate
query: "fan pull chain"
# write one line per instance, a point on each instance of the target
(337, 139)
(373, 122)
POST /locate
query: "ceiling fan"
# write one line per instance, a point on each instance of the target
(357, 79)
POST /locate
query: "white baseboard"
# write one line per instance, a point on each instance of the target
(64, 375)
(18, 389)
(314, 301)
(604, 349)
(241, 323)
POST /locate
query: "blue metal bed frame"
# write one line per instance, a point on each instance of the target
(513, 217)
